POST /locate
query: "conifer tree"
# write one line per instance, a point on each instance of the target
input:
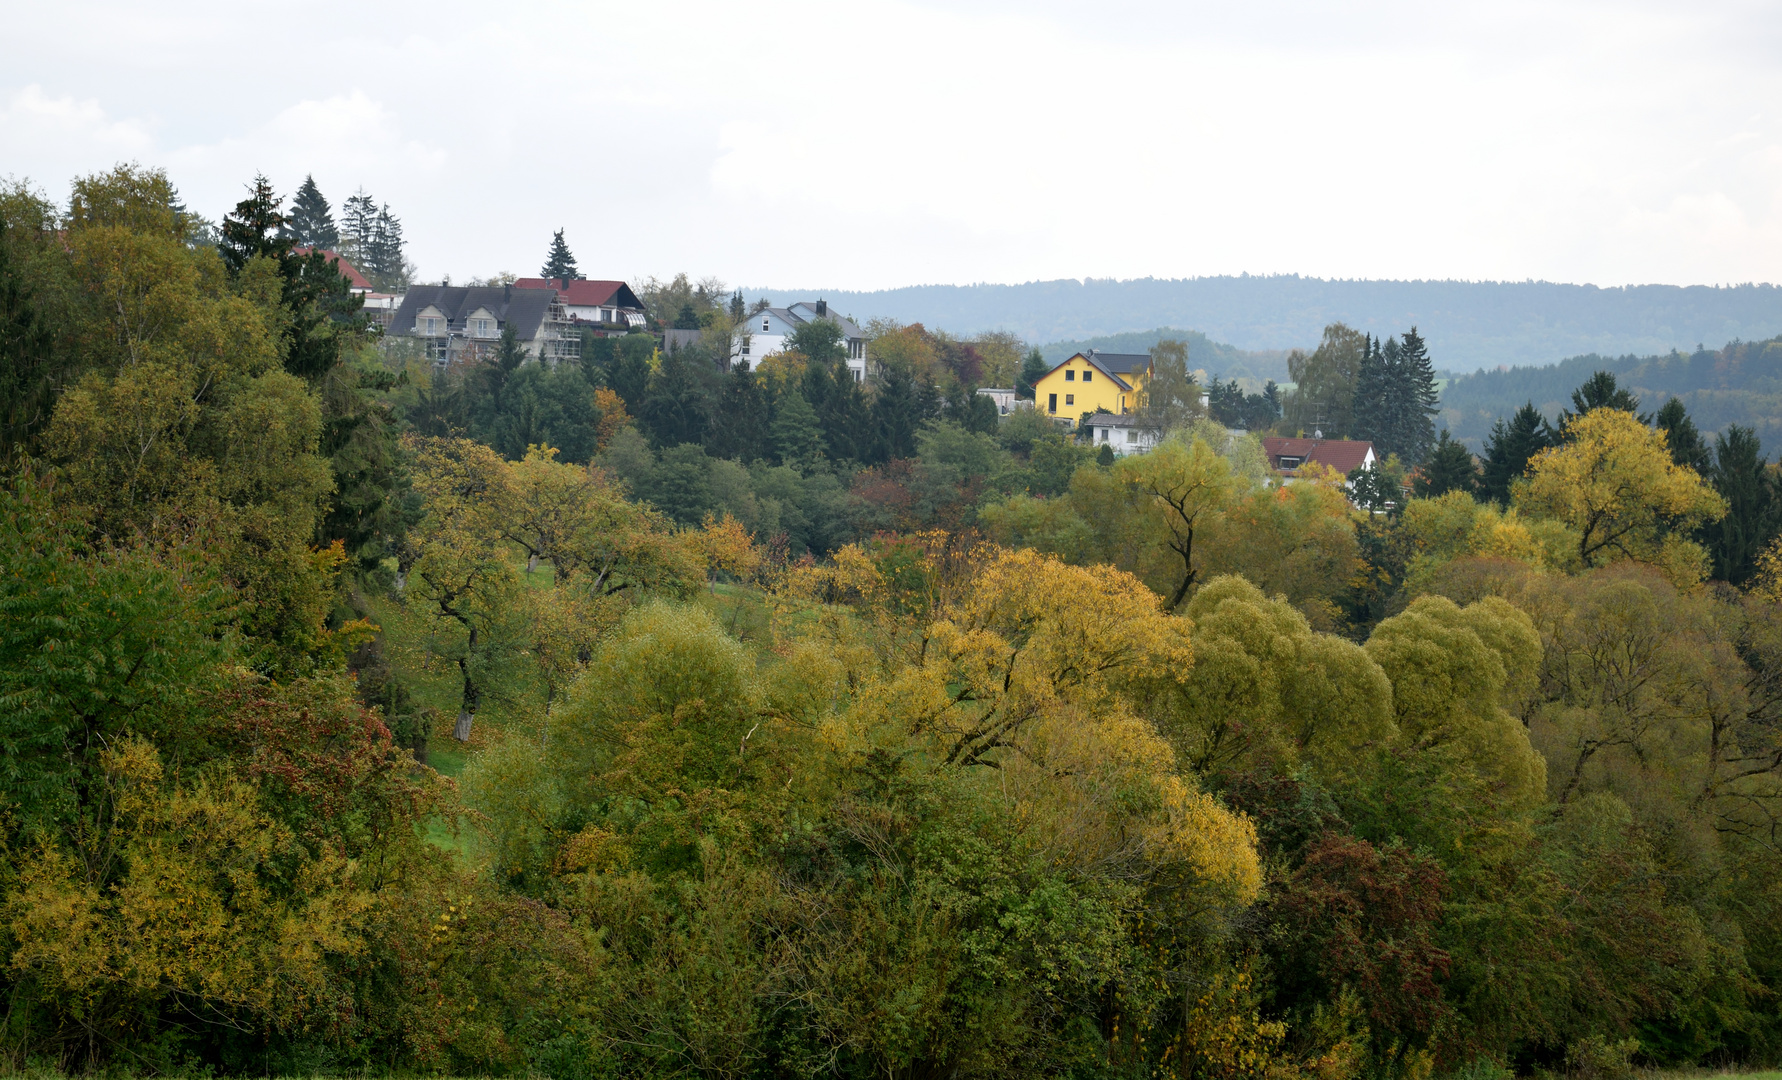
(1371, 390)
(1686, 442)
(30, 367)
(358, 227)
(1754, 505)
(254, 227)
(1449, 467)
(559, 263)
(386, 264)
(311, 221)
(1508, 449)
(1033, 369)
(797, 437)
(1599, 392)
(1414, 399)
(896, 413)
(739, 420)
(738, 310)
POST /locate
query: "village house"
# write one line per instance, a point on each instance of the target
(1288, 455)
(1119, 432)
(457, 324)
(767, 331)
(1007, 401)
(1092, 382)
(606, 307)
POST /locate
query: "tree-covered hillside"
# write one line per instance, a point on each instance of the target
(1468, 324)
(1739, 384)
(1204, 354)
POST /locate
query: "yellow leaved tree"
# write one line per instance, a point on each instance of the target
(1614, 484)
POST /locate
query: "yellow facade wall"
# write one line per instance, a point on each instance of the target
(1077, 386)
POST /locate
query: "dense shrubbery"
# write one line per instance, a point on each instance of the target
(963, 752)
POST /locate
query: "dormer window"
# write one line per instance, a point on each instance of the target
(1291, 462)
(483, 327)
(429, 326)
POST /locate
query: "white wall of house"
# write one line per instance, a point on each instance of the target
(766, 333)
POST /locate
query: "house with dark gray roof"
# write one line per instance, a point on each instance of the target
(458, 324)
(767, 331)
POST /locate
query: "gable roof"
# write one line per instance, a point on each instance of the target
(347, 269)
(1343, 455)
(1110, 420)
(1120, 363)
(805, 311)
(523, 309)
(580, 292)
(1093, 359)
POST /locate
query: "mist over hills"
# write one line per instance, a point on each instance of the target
(1468, 324)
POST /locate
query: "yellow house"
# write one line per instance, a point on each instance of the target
(1092, 381)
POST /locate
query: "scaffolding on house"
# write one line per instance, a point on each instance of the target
(559, 338)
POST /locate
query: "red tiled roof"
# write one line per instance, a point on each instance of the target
(1343, 455)
(580, 293)
(347, 269)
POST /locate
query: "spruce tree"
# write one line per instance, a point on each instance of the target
(311, 221)
(1599, 392)
(739, 420)
(386, 265)
(1508, 450)
(1686, 443)
(1370, 396)
(1415, 398)
(1754, 505)
(797, 437)
(738, 311)
(559, 263)
(1449, 467)
(358, 228)
(896, 413)
(254, 227)
(1033, 369)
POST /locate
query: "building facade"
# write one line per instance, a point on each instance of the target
(1092, 382)
(1118, 432)
(766, 332)
(607, 308)
(460, 325)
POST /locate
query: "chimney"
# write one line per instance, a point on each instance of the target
(822, 309)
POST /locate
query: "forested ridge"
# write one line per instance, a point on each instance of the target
(629, 718)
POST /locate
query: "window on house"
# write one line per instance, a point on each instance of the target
(1069, 375)
(1291, 462)
(1087, 375)
(764, 325)
(1051, 403)
(1104, 434)
(1132, 436)
(1070, 399)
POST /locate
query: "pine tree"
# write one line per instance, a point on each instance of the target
(738, 310)
(1415, 398)
(1508, 450)
(559, 264)
(311, 221)
(1600, 392)
(1449, 467)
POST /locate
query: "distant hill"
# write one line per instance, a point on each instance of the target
(1216, 359)
(1467, 324)
(1738, 384)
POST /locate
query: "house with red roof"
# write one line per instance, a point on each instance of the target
(1287, 455)
(380, 306)
(606, 307)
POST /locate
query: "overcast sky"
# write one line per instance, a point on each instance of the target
(874, 143)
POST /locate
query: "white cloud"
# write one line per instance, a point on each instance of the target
(886, 142)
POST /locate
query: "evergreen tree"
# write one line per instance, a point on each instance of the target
(254, 227)
(1414, 400)
(846, 418)
(629, 371)
(681, 484)
(386, 264)
(1033, 369)
(358, 228)
(1371, 394)
(738, 312)
(896, 414)
(686, 318)
(1686, 443)
(1599, 392)
(1448, 467)
(311, 221)
(677, 406)
(797, 437)
(1753, 495)
(739, 418)
(1508, 450)
(559, 263)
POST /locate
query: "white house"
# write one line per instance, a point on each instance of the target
(1120, 432)
(1007, 401)
(766, 332)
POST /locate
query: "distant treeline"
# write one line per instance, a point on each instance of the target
(1468, 324)
(1739, 384)
(1215, 358)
